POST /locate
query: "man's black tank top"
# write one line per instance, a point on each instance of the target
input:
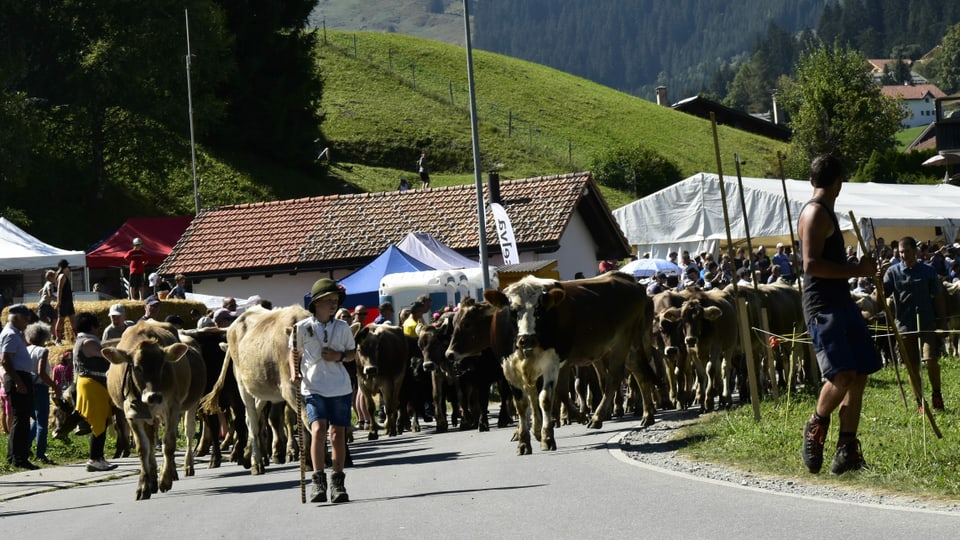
(818, 292)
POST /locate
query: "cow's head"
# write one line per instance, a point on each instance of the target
(64, 405)
(470, 332)
(372, 341)
(668, 331)
(143, 366)
(694, 315)
(433, 342)
(528, 300)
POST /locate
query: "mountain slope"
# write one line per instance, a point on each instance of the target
(375, 115)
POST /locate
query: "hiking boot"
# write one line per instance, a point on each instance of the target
(937, 402)
(814, 435)
(848, 458)
(318, 493)
(338, 494)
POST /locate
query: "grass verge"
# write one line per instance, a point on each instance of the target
(903, 455)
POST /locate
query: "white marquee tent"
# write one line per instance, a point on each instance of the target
(19, 251)
(689, 215)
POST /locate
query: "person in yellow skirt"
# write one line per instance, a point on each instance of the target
(93, 401)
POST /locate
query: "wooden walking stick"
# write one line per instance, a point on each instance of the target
(303, 447)
(912, 370)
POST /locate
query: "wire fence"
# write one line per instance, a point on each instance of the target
(456, 94)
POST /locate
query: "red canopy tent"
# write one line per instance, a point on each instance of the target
(159, 235)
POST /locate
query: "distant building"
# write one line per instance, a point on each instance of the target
(278, 249)
(702, 107)
(918, 100)
(880, 66)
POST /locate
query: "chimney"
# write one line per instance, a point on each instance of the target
(662, 96)
(776, 110)
(493, 186)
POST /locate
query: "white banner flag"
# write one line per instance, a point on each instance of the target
(508, 244)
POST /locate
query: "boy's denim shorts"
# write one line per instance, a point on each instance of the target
(335, 410)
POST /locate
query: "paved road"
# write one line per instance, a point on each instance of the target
(456, 485)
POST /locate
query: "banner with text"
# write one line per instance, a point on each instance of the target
(508, 244)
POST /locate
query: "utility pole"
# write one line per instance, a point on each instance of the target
(481, 210)
(193, 146)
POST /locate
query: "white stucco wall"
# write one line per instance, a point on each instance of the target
(924, 112)
(282, 289)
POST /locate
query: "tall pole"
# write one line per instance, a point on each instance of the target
(478, 177)
(193, 147)
(746, 220)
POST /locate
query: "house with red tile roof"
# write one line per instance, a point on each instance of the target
(919, 100)
(278, 249)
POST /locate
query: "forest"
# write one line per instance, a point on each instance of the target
(697, 46)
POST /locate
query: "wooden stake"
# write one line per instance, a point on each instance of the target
(742, 319)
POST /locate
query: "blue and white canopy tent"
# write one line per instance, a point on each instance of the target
(363, 286)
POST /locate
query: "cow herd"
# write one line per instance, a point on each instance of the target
(559, 349)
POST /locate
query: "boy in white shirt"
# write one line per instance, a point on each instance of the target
(324, 344)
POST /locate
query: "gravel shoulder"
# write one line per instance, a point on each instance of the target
(657, 445)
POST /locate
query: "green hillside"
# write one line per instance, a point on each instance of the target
(388, 95)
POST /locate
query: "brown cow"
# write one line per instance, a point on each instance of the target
(383, 355)
(668, 342)
(433, 342)
(151, 365)
(951, 297)
(711, 335)
(784, 318)
(604, 321)
(257, 349)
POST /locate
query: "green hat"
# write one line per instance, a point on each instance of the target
(324, 287)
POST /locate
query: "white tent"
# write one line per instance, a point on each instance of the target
(21, 252)
(424, 247)
(689, 215)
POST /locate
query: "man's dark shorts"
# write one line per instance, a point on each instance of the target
(843, 342)
(335, 410)
(136, 280)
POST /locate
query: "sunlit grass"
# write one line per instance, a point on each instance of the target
(898, 444)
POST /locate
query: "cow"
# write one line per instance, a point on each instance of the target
(212, 345)
(432, 342)
(471, 376)
(383, 354)
(784, 318)
(604, 321)
(951, 297)
(257, 349)
(670, 349)
(711, 335)
(151, 365)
